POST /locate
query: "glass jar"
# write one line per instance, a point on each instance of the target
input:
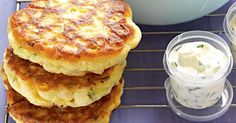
(197, 92)
(230, 30)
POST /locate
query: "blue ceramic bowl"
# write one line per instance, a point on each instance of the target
(166, 12)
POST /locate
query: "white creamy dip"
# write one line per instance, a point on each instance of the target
(232, 25)
(197, 59)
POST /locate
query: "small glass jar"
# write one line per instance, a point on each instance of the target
(230, 30)
(197, 92)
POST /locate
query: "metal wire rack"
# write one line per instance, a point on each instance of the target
(153, 69)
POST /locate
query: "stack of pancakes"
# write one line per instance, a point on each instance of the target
(65, 60)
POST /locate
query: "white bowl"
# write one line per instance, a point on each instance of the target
(165, 12)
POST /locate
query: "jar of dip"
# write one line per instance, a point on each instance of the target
(198, 63)
(230, 28)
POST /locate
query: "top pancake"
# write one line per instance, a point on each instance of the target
(74, 36)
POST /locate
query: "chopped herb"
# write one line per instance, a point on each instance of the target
(216, 69)
(201, 67)
(91, 94)
(198, 106)
(72, 100)
(200, 46)
(200, 63)
(194, 89)
(174, 64)
(186, 101)
(178, 48)
(203, 77)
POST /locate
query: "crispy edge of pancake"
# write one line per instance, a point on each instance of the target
(61, 96)
(4, 78)
(81, 66)
(104, 106)
(6, 85)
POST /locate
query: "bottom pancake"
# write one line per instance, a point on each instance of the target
(23, 111)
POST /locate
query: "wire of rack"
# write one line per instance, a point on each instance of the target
(160, 50)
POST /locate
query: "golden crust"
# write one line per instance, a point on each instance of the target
(47, 89)
(98, 112)
(87, 29)
(74, 30)
(47, 81)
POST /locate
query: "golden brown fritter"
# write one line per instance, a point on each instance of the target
(98, 112)
(47, 89)
(74, 36)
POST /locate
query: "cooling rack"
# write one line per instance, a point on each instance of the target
(144, 99)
